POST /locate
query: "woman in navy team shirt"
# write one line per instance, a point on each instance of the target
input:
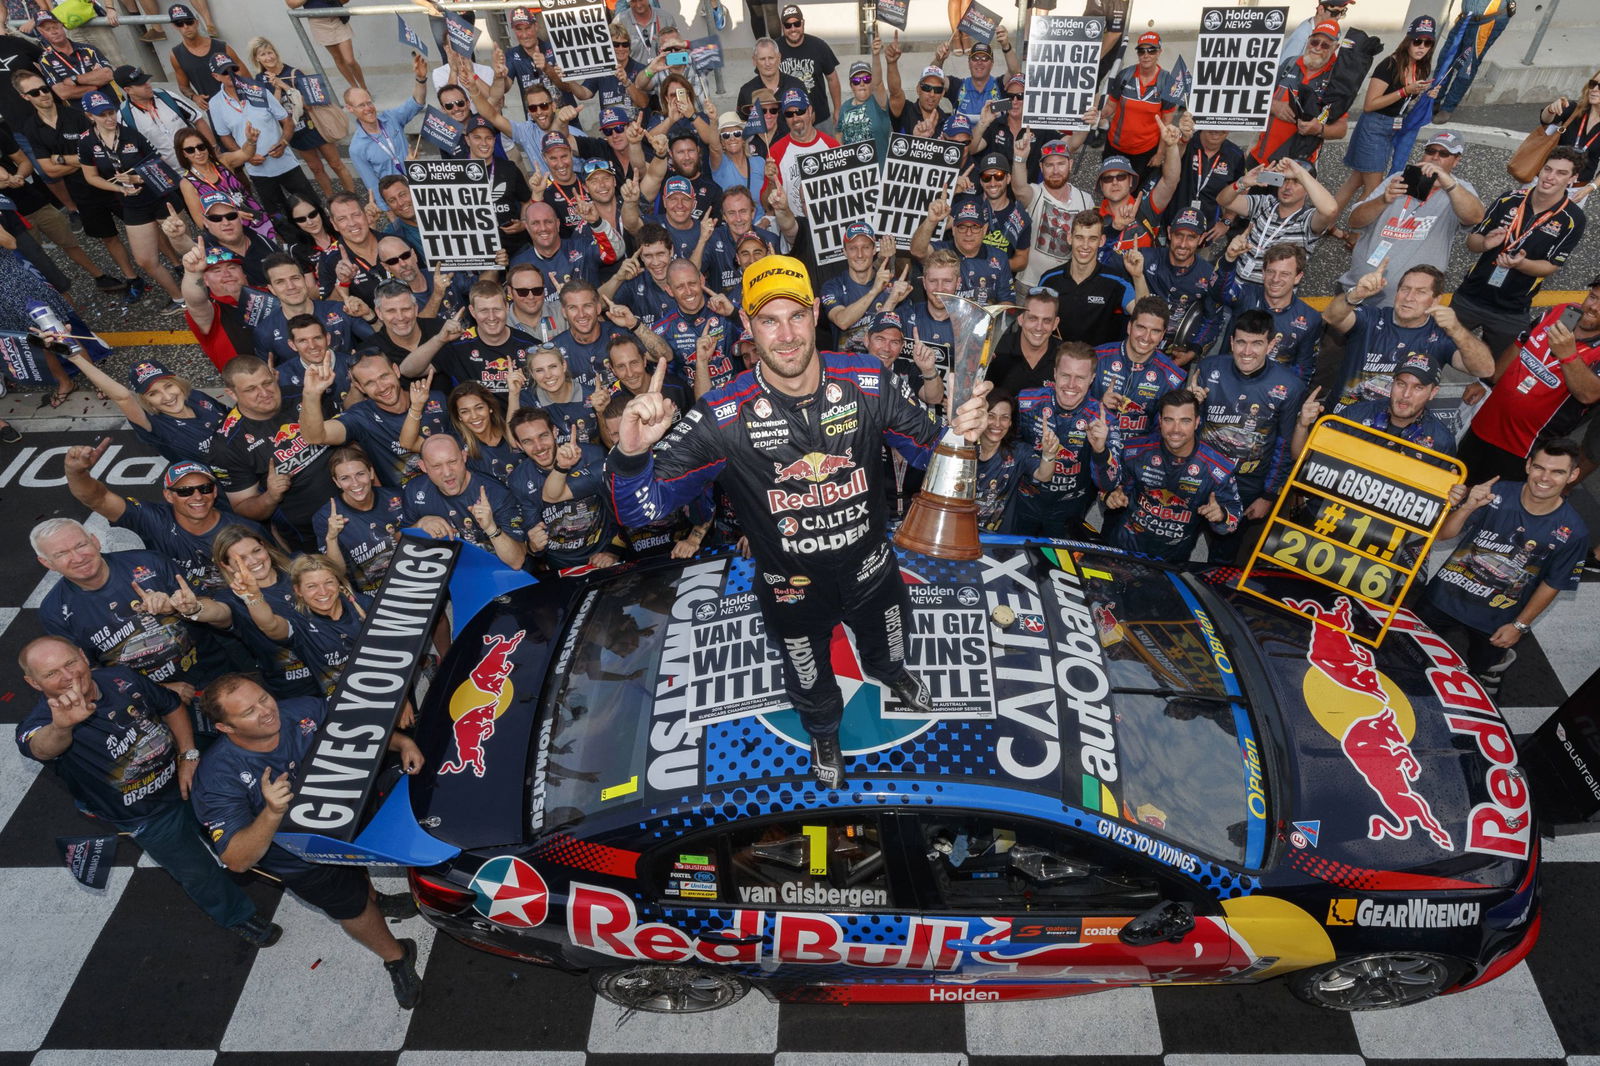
(166, 412)
(358, 529)
(260, 595)
(326, 620)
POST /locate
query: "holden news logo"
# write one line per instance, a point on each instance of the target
(1213, 20)
(416, 172)
(1093, 28)
(808, 166)
(476, 172)
(952, 155)
(898, 147)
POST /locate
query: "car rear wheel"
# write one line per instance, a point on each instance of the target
(668, 989)
(1377, 982)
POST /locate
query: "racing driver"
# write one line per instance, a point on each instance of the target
(796, 443)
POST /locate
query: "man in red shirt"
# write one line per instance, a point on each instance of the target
(1299, 122)
(213, 293)
(1543, 386)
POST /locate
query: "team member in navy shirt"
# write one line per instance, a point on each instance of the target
(1132, 375)
(555, 391)
(165, 411)
(1004, 459)
(583, 343)
(377, 422)
(1296, 326)
(309, 341)
(1184, 280)
(359, 528)
(640, 283)
(695, 316)
(124, 748)
(245, 784)
(850, 296)
(1171, 484)
(561, 487)
(452, 502)
(985, 273)
(325, 622)
(1521, 544)
(1079, 449)
(1403, 413)
(295, 296)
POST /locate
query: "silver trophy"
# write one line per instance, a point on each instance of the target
(943, 518)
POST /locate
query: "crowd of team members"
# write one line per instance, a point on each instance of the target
(1162, 366)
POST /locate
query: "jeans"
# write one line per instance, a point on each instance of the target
(1456, 82)
(175, 839)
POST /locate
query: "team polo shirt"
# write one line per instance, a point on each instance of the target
(378, 433)
(644, 297)
(157, 525)
(272, 331)
(1136, 127)
(368, 538)
(1428, 430)
(586, 359)
(1375, 348)
(474, 359)
(682, 332)
(104, 624)
(1531, 399)
(578, 527)
(423, 498)
(184, 438)
(324, 644)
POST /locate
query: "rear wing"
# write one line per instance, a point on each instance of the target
(331, 819)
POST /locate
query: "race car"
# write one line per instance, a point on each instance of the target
(1135, 774)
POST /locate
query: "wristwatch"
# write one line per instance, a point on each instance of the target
(1521, 627)
(192, 755)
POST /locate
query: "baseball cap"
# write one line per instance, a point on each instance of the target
(222, 63)
(776, 276)
(1115, 164)
(1450, 141)
(128, 74)
(182, 469)
(677, 184)
(791, 11)
(1017, 81)
(43, 16)
(860, 66)
(97, 103)
(1421, 366)
(993, 161)
(980, 49)
(1189, 219)
(750, 236)
(795, 99)
(730, 120)
(214, 198)
(216, 254)
(886, 320)
(1328, 28)
(522, 16)
(145, 373)
(478, 122)
(1422, 26)
(1150, 37)
(967, 212)
(180, 11)
(957, 124)
(932, 72)
(614, 118)
(555, 139)
(858, 229)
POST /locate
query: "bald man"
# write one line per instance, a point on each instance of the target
(560, 258)
(452, 502)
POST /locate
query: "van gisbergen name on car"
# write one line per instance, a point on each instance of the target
(1406, 914)
(343, 762)
(814, 895)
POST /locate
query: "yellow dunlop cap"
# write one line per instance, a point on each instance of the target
(776, 275)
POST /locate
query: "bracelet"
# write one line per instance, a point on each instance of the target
(490, 535)
(563, 471)
(1569, 359)
(420, 81)
(252, 600)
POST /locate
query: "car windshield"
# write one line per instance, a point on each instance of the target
(1186, 756)
(598, 712)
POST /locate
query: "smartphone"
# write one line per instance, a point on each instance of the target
(677, 59)
(1418, 185)
(1569, 317)
(1270, 177)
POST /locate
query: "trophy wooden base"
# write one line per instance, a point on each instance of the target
(940, 524)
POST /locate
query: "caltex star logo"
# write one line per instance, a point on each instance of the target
(510, 892)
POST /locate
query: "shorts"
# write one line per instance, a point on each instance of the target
(144, 212)
(307, 140)
(340, 892)
(99, 215)
(329, 31)
(50, 222)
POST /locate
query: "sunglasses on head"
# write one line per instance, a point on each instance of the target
(520, 291)
(1147, 49)
(393, 260)
(222, 257)
(1055, 149)
(180, 23)
(1044, 290)
(226, 216)
(861, 79)
(204, 489)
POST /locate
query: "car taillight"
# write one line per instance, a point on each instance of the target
(438, 895)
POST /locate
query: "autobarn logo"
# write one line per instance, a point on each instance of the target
(1405, 914)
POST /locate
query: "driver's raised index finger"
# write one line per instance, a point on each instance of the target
(658, 380)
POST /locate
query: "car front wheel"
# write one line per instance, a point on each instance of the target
(1377, 982)
(668, 989)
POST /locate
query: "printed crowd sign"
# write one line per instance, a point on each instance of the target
(893, 12)
(1063, 66)
(455, 213)
(979, 23)
(1236, 66)
(916, 171)
(840, 186)
(439, 131)
(580, 38)
(1359, 514)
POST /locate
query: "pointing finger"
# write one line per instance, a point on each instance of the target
(483, 495)
(658, 380)
(1316, 394)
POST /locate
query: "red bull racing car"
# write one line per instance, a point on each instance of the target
(1134, 774)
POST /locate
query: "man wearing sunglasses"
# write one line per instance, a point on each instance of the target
(156, 113)
(811, 61)
(1295, 44)
(532, 62)
(72, 69)
(618, 89)
(970, 95)
(769, 76)
(802, 139)
(925, 104)
(985, 275)
(644, 25)
(1407, 232)
(225, 228)
(192, 58)
(1300, 121)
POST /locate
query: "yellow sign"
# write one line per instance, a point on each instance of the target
(1360, 511)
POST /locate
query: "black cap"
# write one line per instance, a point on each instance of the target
(993, 161)
(127, 75)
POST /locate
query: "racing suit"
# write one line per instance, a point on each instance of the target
(1250, 419)
(1056, 508)
(1165, 494)
(804, 476)
(1182, 288)
(1139, 384)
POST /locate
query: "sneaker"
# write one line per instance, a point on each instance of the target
(107, 283)
(403, 974)
(258, 932)
(174, 307)
(397, 905)
(827, 762)
(75, 221)
(912, 692)
(135, 290)
(1491, 678)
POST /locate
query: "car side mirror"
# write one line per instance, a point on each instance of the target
(1167, 920)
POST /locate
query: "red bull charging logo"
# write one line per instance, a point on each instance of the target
(814, 467)
(1372, 719)
(478, 701)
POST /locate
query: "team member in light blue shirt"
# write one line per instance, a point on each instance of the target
(378, 143)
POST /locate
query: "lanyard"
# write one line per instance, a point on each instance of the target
(1205, 174)
(71, 60)
(571, 201)
(1583, 127)
(382, 139)
(1517, 234)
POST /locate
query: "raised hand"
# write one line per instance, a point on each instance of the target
(482, 511)
(1112, 401)
(538, 538)
(154, 604)
(1371, 283)
(1099, 431)
(184, 600)
(1049, 443)
(1212, 510)
(452, 328)
(194, 260)
(516, 380)
(705, 345)
(718, 302)
(1312, 409)
(336, 521)
(80, 458)
(275, 792)
(939, 210)
(1481, 494)
(344, 270)
(1238, 246)
(647, 416)
(620, 314)
(173, 225)
(569, 454)
(319, 378)
(242, 583)
(420, 390)
(630, 194)
(1445, 317)
(69, 708)
(278, 482)
(1133, 261)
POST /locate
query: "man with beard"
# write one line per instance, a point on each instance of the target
(454, 503)
(377, 421)
(1022, 356)
(560, 485)
(811, 62)
(802, 139)
(631, 374)
(1063, 422)
(719, 257)
(1010, 228)
(699, 331)
(1303, 82)
(583, 343)
(1299, 213)
(1403, 413)
(1183, 280)
(263, 461)
(1092, 300)
(1133, 374)
(618, 145)
(1378, 339)
(1171, 483)
(850, 296)
(985, 274)
(764, 437)
(640, 283)
(1051, 204)
(1296, 326)
(287, 281)
(682, 160)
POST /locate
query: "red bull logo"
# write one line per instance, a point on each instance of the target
(287, 432)
(478, 701)
(813, 467)
(1373, 721)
